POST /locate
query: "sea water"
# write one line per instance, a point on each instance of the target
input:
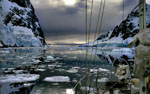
(54, 70)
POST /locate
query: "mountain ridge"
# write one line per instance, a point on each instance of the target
(123, 33)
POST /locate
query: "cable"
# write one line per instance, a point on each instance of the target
(90, 24)
(123, 29)
(123, 9)
(137, 6)
(86, 33)
(101, 20)
(97, 24)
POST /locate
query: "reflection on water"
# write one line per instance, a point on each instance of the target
(50, 71)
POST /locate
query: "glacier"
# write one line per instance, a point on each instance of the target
(19, 26)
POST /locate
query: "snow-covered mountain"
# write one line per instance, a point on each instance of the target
(123, 33)
(19, 26)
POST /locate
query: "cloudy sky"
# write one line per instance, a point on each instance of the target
(63, 21)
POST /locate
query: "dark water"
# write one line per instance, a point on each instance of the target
(52, 71)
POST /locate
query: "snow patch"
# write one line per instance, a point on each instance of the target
(1, 45)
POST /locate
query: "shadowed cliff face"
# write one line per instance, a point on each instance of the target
(19, 25)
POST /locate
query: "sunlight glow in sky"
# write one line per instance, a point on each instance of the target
(69, 2)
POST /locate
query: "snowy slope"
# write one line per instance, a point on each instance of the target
(123, 33)
(19, 26)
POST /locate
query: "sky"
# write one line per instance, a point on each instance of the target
(63, 21)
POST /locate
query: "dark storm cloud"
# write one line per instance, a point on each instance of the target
(61, 22)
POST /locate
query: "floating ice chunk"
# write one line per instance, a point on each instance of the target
(50, 58)
(4, 52)
(51, 66)
(28, 84)
(18, 71)
(36, 61)
(40, 70)
(19, 57)
(103, 70)
(87, 88)
(103, 80)
(18, 78)
(74, 80)
(122, 50)
(74, 57)
(93, 70)
(70, 91)
(76, 67)
(57, 79)
(73, 70)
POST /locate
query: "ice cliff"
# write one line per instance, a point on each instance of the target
(19, 26)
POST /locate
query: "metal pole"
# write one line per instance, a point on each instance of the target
(143, 85)
(142, 14)
(142, 25)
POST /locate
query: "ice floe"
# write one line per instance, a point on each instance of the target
(57, 79)
(103, 80)
(93, 70)
(103, 70)
(18, 78)
(72, 70)
(74, 57)
(28, 84)
(70, 91)
(50, 58)
(40, 70)
(4, 52)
